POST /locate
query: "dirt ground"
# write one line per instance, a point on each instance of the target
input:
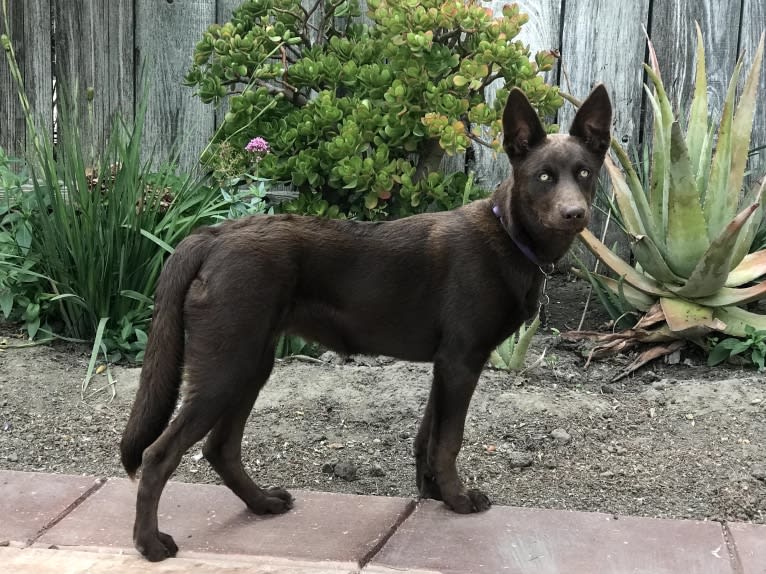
(679, 441)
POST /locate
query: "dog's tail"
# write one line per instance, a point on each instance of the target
(163, 362)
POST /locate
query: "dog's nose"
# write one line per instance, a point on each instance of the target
(573, 212)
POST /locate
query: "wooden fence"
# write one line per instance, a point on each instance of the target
(101, 44)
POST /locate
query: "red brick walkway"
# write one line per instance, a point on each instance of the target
(68, 524)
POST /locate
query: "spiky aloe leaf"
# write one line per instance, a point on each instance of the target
(658, 185)
(688, 319)
(751, 268)
(620, 267)
(727, 296)
(716, 195)
(737, 320)
(687, 236)
(526, 334)
(651, 260)
(625, 196)
(712, 269)
(742, 127)
(631, 198)
(697, 130)
(745, 241)
(635, 298)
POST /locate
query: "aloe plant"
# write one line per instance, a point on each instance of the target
(691, 226)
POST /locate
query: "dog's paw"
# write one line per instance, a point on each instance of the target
(274, 501)
(157, 548)
(469, 502)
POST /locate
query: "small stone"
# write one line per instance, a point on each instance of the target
(518, 459)
(607, 474)
(377, 470)
(758, 471)
(607, 389)
(345, 470)
(332, 358)
(660, 385)
(328, 467)
(13, 457)
(561, 436)
(4, 543)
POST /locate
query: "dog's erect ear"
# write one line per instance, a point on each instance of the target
(522, 128)
(593, 121)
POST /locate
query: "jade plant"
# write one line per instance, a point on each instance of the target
(691, 224)
(359, 114)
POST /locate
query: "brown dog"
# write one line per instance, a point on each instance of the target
(441, 287)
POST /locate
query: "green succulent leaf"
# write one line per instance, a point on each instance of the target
(739, 321)
(688, 319)
(687, 237)
(697, 138)
(716, 195)
(742, 127)
(712, 269)
(637, 299)
(751, 268)
(727, 296)
(631, 276)
(652, 261)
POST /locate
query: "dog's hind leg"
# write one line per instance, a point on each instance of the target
(455, 378)
(223, 448)
(198, 414)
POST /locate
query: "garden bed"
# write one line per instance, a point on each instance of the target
(681, 441)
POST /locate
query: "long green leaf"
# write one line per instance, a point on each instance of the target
(635, 298)
(712, 270)
(687, 238)
(620, 267)
(745, 241)
(689, 319)
(742, 128)
(751, 268)
(626, 199)
(737, 320)
(697, 130)
(727, 296)
(652, 261)
(716, 195)
(658, 184)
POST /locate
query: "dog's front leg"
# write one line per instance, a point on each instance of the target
(454, 381)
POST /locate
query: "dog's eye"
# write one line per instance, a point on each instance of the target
(545, 177)
(584, 173)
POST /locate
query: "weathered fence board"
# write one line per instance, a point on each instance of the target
(94, 46)
(166, 33)
(753, 25)
(541, 32)
(594, 51)
(103, 44)
(675, 40)
(30, 27)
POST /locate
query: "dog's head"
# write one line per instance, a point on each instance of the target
(555, 175)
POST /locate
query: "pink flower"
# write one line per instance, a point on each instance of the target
(257, 145)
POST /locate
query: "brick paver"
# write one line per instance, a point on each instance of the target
(340, 528)
(67, 518)
(749, 541)
(30, 501)
(521, 541)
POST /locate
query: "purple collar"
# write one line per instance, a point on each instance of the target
(523, 247)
